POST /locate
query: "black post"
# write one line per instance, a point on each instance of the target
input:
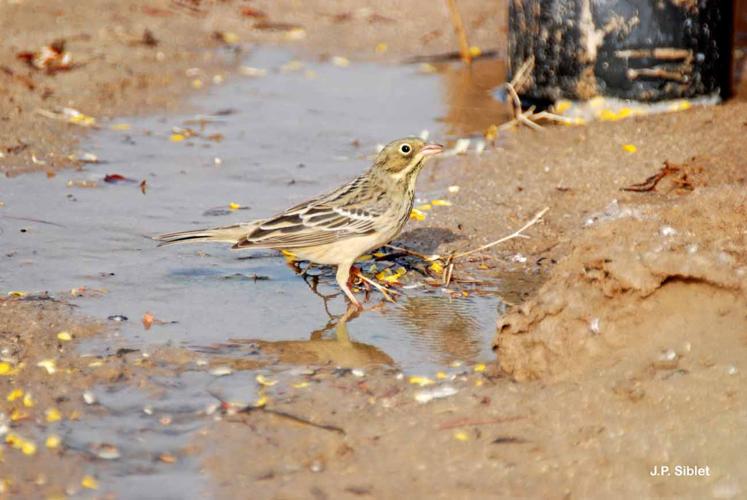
(647, 50)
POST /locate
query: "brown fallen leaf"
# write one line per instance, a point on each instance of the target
(52, 58)
(252, 12)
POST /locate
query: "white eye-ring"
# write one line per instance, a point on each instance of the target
(405, 149)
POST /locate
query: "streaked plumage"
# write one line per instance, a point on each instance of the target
(338, 227)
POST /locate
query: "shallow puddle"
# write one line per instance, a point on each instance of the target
(264, 144)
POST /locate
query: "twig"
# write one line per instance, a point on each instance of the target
(301, 420)
(466, 421)
(461, 34)
(414, 253)
(384, 291)
(516, 234)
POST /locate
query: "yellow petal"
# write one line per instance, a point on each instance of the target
(608, 116)
(120, 126)
(234, 206)
(15, 394)
(441, 203)
(381, 47)
(479, 367)
(300, 385)
(52, 441)
(561, 106)
(28, 400)
(364, 258)
(440, 375)
(89, 482)
(64, 336)
(53, 415)
(424, 207)
(176, 137)
(461, 436)
(28, 448)
(475, 51)
(16, 293)
(436, 267)
(630, 148)
(417, 214)
(197, 83)
(421, 381)
(17, 415)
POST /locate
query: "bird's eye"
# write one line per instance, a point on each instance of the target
(405, 149)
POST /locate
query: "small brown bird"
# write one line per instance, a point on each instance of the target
(340, 226)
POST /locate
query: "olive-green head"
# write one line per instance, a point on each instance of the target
(403, 156)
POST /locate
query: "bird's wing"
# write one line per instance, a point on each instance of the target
(352, 210)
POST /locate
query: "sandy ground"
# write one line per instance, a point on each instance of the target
(626, 348)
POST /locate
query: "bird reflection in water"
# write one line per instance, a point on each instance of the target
(338, 350)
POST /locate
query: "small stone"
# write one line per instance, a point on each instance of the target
(221, 371)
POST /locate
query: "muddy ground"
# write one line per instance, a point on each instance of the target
(626, 348)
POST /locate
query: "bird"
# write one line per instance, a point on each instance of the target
(337, 227)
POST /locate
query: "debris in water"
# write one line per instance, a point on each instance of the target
(117, 317)
(116, 178)
(52, 441)
(105, 451)
(89, 482)
(220, 371)
(437, 393)
(89, 398)
(252, 72)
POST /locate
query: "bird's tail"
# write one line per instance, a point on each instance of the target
(229, 234)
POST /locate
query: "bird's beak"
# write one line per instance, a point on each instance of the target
(431, 149)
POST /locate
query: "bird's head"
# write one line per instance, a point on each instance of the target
(403, 157)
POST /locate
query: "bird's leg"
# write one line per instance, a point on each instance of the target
(343, 273)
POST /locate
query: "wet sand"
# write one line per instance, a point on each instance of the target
(625, 350)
